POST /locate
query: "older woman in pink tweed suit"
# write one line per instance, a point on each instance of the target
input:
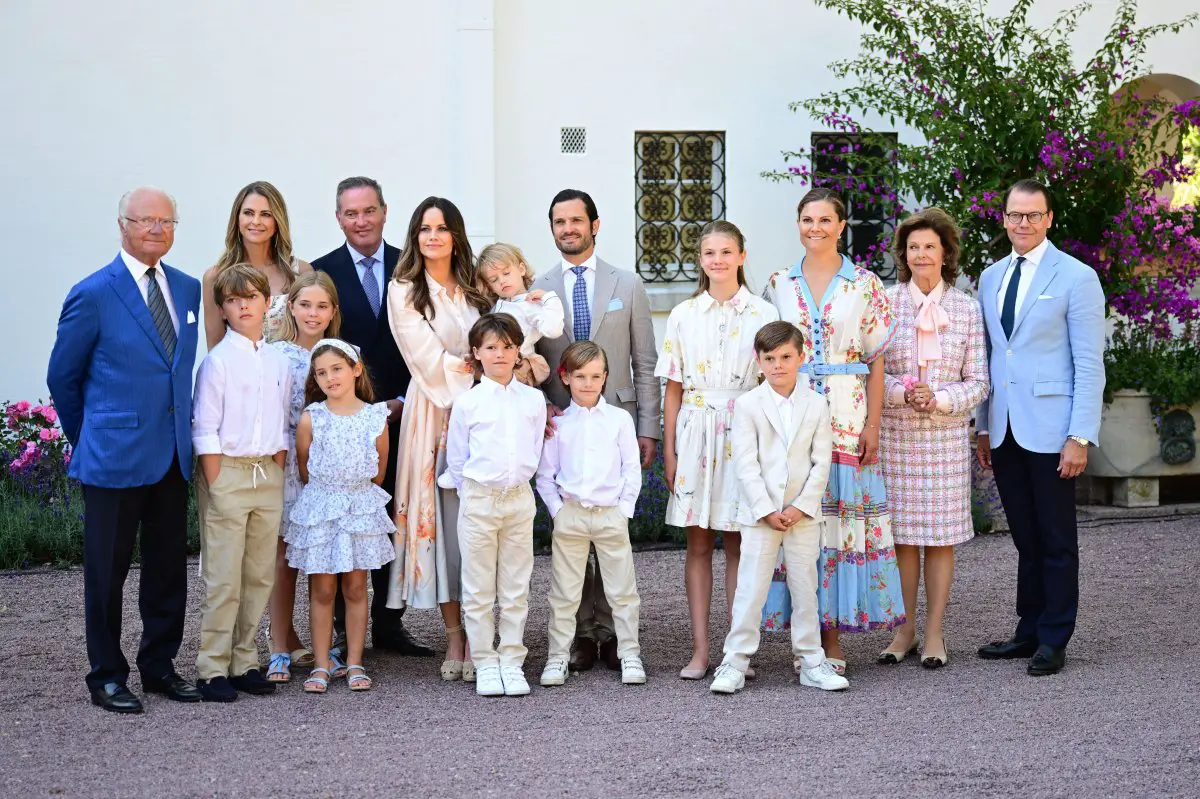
(936, 372)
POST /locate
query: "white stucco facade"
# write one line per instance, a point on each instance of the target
(464, 99)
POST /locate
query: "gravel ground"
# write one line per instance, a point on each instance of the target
(1112, 724)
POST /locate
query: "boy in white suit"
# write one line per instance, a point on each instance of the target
(782, 448)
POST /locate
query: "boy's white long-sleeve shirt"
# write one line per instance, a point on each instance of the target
(495, 435)
(593, 459)
(240, 407)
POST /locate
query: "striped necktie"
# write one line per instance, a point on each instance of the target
(157, 304)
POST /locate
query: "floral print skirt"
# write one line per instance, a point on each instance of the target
(707, 491)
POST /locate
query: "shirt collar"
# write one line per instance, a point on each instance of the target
(847, 271)
(241, 342)
(1034, 256)
(488, 384)
(574, 407)
(781, 400)
(589, 264)
(135, 267)
(356, 256)
(739, 301)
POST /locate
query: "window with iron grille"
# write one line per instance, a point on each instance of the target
(839, 161)
(680, 188)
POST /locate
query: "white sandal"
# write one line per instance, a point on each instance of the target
(452, 670)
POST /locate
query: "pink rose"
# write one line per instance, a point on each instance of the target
(22, 407)
(49, 414)
(48, 434)
(67, 458)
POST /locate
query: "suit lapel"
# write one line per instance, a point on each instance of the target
(989, 297)
(178, 287)
(1046, 271)
(556, 283)
(123, 284)
(606, 284)
(391, 256)
(773, 416)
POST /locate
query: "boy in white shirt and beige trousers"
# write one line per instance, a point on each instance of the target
(589, 478)
(782, 449)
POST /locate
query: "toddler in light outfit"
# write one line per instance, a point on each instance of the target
(503, 273)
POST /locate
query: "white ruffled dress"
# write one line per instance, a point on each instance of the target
(340, 521)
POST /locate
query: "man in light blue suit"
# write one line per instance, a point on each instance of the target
(121, 378)
(1044, 313)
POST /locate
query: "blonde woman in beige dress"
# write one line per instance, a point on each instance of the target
(432, 303)
(258, 234)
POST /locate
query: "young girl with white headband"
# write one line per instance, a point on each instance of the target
(340, 524)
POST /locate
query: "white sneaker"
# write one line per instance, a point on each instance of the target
(632, 670)
(488, 681)
(556, 672)
(824, 677)
(728, 680)
(513, 678)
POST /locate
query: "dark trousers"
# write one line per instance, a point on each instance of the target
(381, 614)
(1040, 507)
(110, 527)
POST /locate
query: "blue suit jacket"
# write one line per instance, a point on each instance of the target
(1048, 379)
(125, 408)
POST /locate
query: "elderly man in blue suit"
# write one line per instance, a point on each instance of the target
(121, 378)
(1044, 313)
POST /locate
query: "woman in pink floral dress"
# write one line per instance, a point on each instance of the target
(708, 361)
(845, 333)
(936, 373)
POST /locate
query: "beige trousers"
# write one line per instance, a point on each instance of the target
(495, 537)
(239, 534)
(576, 528)
(760, 550)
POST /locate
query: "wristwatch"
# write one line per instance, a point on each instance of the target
(1081, 441)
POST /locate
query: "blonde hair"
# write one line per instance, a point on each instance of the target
(500, 254)
(281, 242)
(288, 329)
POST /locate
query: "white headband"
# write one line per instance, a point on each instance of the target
(338, 344)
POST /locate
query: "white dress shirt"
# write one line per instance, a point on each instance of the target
(592, 459)
(138, 270)
(589, 283)
(243, 390)
(376, 268)
(786, 406)
(538, 320)
(495, 436)
(1032, 259)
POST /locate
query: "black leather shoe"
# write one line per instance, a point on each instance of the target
(253, 682)
(399, 641)
(608, 654)
(1046, 660)
(217, 689)
(173, 687)
(116, 698)
(583, 654)
(1008, 650)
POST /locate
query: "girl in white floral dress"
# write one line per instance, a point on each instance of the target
(707, 359)
(311, 314)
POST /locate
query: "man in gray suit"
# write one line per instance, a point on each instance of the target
(608, 306)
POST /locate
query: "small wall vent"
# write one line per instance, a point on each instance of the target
(573, 141)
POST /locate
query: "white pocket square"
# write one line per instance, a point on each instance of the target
(616, 305)
(1045, 297)
(191, 317)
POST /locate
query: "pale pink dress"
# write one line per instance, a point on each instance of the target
(426, 571)
(926, 458)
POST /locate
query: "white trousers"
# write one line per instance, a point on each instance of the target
(495, 537)
(760, 550)
(575, 529)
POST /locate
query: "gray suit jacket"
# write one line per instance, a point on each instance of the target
(621, 325)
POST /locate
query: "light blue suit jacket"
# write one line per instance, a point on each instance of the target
(1048, 379)
(124, 406)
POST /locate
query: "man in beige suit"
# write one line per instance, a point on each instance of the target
(782, 448)
(608, 306)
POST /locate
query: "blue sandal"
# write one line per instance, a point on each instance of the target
(339, 665)
(316, 684)
(280, 669)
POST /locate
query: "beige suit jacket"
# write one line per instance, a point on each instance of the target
(778, 467)
(621, 325)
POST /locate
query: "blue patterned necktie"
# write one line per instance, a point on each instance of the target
(1008, 311)
(370, 284)
(157, 304)
(581, 314)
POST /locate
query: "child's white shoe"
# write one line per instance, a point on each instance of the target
(728, 680)
(513, 678)
(632, 670)
(556, 672)
(823, 676)
(488, 681)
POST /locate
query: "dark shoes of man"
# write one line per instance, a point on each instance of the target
(173, 687)
(608, 654)
(583, 654)
(1008, 650)
(1044, 659)
(395, 638)
(116, 698)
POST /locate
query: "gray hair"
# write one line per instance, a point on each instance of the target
(123, 205)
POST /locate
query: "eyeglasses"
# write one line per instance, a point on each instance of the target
(1034, 218)
(149, 223)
